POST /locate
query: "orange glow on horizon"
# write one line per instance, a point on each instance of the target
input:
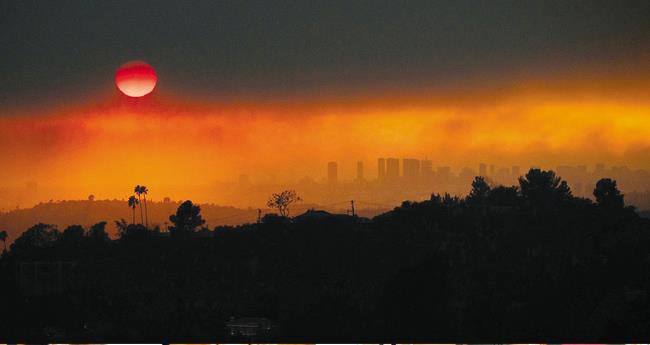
(170, 144)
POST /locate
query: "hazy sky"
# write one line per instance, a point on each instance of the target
(57, 51)
(275, 88)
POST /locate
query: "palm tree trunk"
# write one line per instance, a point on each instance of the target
(146, 214)
(141, 216)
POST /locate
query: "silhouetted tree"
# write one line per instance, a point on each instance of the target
(480, 190)
(186, 220)
(425, 266)
(38, 236)
(97, 232)
(607, 194)
(274, 219)
(138, 190)
(73, 233)
(449, 200)
(122, 225)
(144, 190)
(133, 202)
(3, 238)
(504, 196)
(135, 232)
(543, 187)
(282, 201)
(446, 200)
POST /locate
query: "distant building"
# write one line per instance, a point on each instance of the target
(482, 170)
(582, 170)
(381, 168)
(392, 169)
(411, 169)
(332, 173)
(466, 175)
(359, 171)
(515, 171)
(564, 171)
(503, 175)
(426, 168)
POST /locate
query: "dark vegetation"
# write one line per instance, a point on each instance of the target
(89, 212)
(524, 262)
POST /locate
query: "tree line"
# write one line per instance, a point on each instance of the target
(526, 261)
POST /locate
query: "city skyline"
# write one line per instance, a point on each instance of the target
(414, 178)
(253, 170)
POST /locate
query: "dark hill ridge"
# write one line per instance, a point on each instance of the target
(524, 262)
(86, 213)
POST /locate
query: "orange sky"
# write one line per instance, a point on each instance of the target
(104, 147)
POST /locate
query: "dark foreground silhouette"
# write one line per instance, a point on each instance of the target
(517, 263)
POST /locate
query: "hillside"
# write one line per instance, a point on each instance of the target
(86, 213)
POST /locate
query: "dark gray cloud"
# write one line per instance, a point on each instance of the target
(57, 50)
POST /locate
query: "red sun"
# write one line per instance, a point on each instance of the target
(136, 78)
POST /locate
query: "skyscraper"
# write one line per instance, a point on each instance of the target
(392, 169)
(411, 169)
(482, 170)
(426, 168)
(515, 171)
(359, 171)
(332, 173)
(381, 168)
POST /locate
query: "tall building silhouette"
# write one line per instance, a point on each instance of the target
(426, 168)
(381, 168)
(411, 169)
(332, 173)
(482, 170)
(392, 169)
(359, 171)
(515, 171)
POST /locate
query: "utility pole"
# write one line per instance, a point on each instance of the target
(259, 215)
(352, 207)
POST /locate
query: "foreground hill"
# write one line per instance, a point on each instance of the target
(86, 213)
(526, 261)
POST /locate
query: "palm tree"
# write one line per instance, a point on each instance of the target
(144, 191)
(138, 191)
(133, 202)
(3, 238)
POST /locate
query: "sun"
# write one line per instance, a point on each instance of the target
(136, 78)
